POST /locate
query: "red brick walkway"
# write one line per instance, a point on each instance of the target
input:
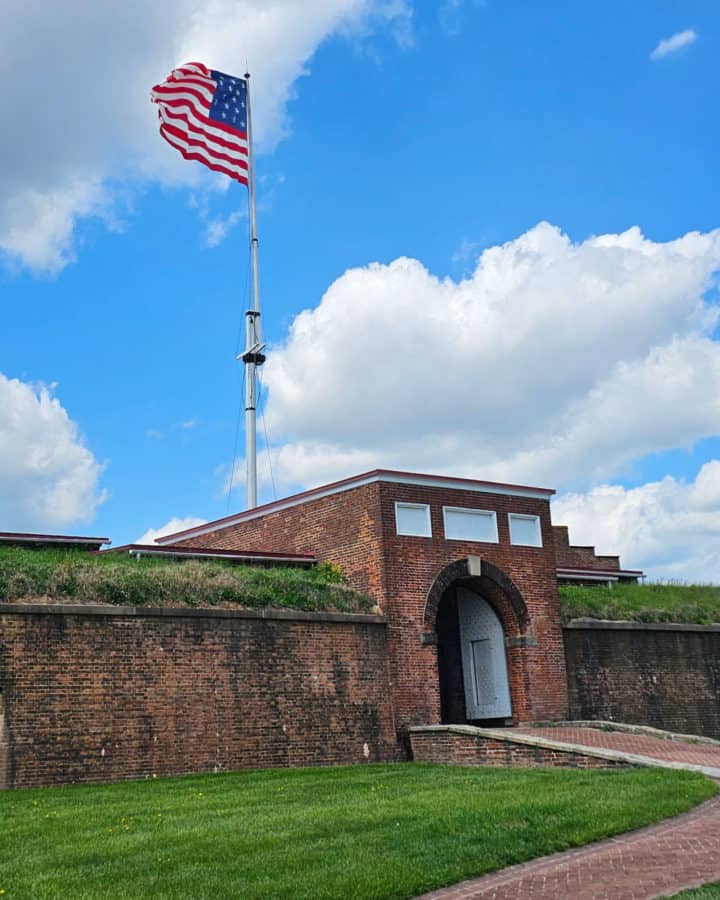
(657, 861)
(699, 754)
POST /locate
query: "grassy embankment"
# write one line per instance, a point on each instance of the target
(687, 603)
(707, 892)
(77, 577)
(381, 831)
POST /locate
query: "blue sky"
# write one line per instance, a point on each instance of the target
(426, 132)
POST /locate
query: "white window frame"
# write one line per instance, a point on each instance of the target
(485, 513)
(527, 518)
(401, 504)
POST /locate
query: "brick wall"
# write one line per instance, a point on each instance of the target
(105, 693)
(667, 676)
(458, 749)
(356, 529)
(537, 668)
(343, 528)
(569, 556)
(4, 750)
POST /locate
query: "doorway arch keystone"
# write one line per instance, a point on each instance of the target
(484, 577)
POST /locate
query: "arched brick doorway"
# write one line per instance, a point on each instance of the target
(479, 623)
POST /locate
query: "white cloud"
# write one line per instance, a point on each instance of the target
(85, 111)
(174, 525)
(553, 362)
(450, 14)
(48, 477)
(218, 229)
(666, 399)
(669, 528)
(40, 226)
(299, 465)
(674, 43)
(466, 253)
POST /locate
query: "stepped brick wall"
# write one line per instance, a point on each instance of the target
(569, 556)
(94, 694)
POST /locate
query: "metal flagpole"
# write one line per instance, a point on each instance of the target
(253, 355)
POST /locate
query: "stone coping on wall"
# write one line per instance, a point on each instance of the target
(614, 624)
(175, 612)
(508, 736)
(646, 730)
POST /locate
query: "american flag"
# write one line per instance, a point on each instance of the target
(203, 114)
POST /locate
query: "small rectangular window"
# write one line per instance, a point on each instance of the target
(470, 524)
(525, 530)
(413, 519)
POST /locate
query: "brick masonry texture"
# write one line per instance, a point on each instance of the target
(536, 670)
(579, 557)
(356, 529)
(686, 752)
(94, 698)
(342, 528)
(661, 676)
(475, 750)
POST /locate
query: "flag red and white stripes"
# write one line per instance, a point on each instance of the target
(203, 114)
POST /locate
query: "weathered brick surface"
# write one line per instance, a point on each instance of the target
(92, 698)
(450, 748)
(664, 676)
(343, 528)
(536, 672)
(4, 754)
(356, 529)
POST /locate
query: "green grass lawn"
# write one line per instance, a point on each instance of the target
(707, 892)
(688, 603)
(378, 831)
(81, 577)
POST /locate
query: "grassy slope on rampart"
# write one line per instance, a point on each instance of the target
(686, 603)
(81, 577)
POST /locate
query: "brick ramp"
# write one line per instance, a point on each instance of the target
(565, 746)
(656, 861)
(683, 751)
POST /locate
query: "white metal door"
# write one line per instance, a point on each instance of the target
(482, 644)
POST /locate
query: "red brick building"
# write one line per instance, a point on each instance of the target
(465, 572)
